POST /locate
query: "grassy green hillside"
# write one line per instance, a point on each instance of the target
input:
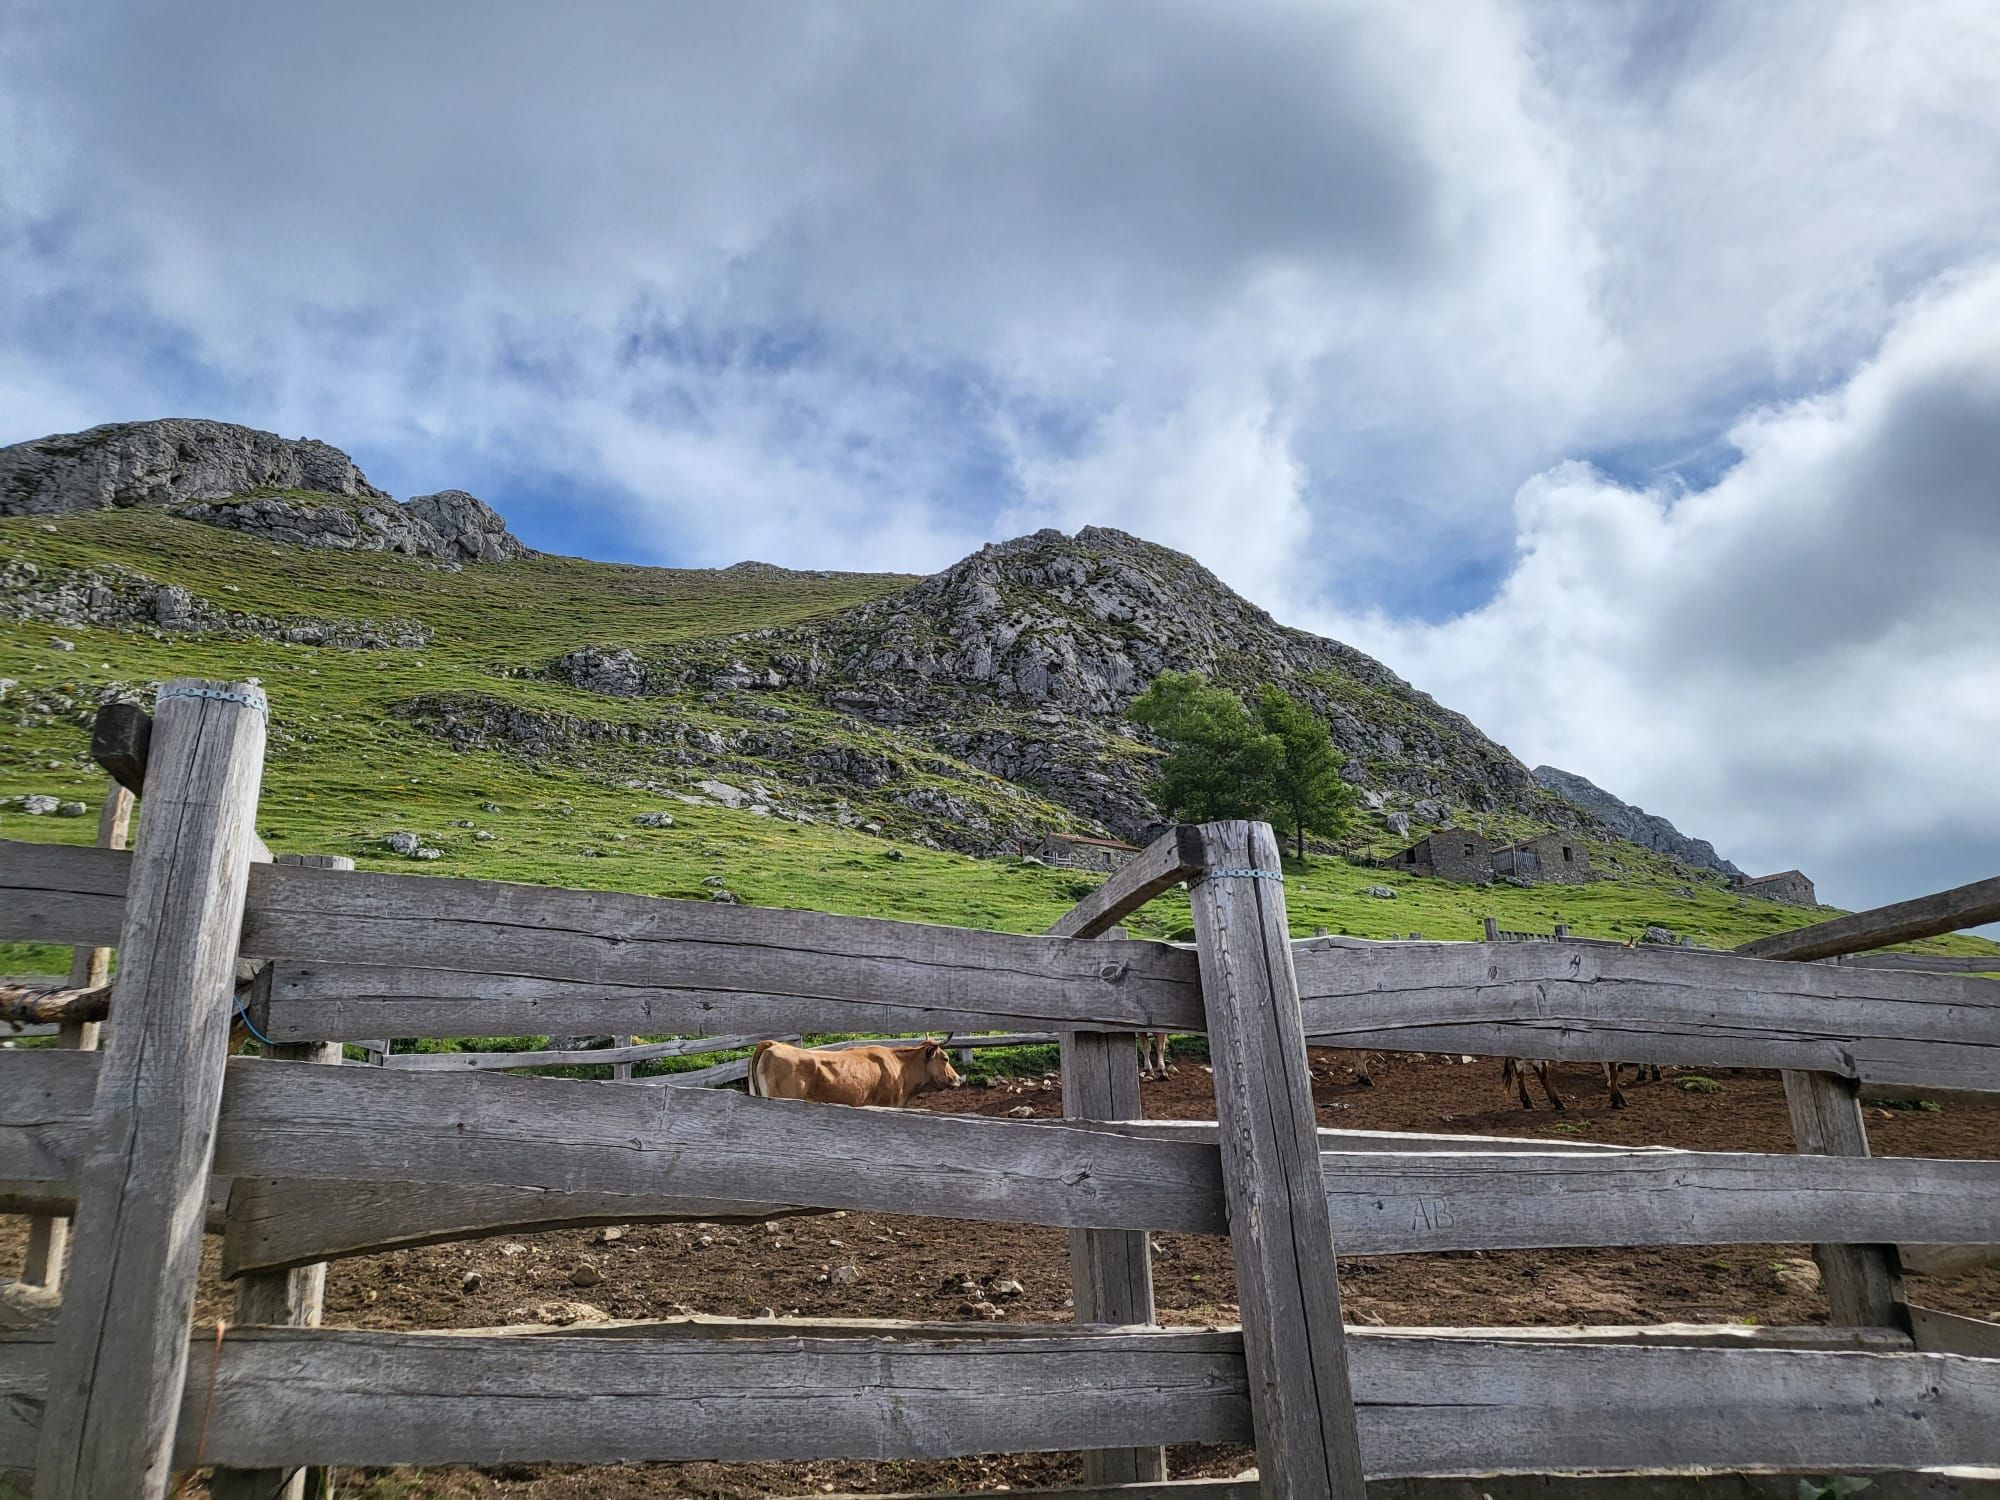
(348, 765)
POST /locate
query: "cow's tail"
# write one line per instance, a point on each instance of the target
(756, 1063)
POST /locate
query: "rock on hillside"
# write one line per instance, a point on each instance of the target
(1021, 659)
(224, 475)
(1648, 830)
(164, 463)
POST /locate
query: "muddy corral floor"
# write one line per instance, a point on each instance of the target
(875, 1266)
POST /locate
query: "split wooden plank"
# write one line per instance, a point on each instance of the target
(1900, 922)
(292, 1297)
(367, 1124)
(1450, 1193)
(1286, 1277)
(121, 1338)
(277, 1223)
(1928, 963)
(90, 968)
(680, 968)
(1938, 1332)
(1110, 1270)
(1428, 1405)
(1587, 1003)
(1160, 866)
(54, 893)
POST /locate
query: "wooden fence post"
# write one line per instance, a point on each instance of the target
(1287, 1280)
(48, 1234)
(1492, 926)
(288, 1298)
(121, 1346)
(1110, 1270)
(1863, 1283)
(621, 1072)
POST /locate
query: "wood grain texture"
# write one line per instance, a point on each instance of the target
(1111, 1270)
(1594, 1003)
(1900, 922)
(1863, 1282)
(292, 1297)
(1926, 963)
(356, 1001)
(120, 741)
(53, 893)
(121, 1338)
(762, 968)
(276, 1223)
(1279, 1229)
(1160, 866)
(368, 1124)
(89, 970)
(1938, 1332)
(1427, 1405)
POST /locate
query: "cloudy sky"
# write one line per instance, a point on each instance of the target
(1627, 375)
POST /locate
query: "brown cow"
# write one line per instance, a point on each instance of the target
(886, 1076)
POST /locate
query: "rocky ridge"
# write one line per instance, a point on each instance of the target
(297, 491)
(1021, 659)
(121, 598)
(1648, 830)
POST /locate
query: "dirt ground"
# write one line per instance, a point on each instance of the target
(866, 1265)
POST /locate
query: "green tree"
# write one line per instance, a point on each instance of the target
(1219, 763)
(1308, 795)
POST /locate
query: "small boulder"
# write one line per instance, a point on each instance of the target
(983, 1310)
(1007, 1287)
(70, 809)
(845, 1275)
(726, 897)
(482, 836)
(654, 820)
(57, 643)
(1398, 823)
(1382, 892)
(405, 844)
(36, 806)
(586, 1275)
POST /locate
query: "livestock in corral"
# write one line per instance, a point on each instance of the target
(883, 1076)
(1152, 1046)
(1514, 1074)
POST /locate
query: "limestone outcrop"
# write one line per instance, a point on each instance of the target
(297, 491)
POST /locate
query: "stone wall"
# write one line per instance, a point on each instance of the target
(1546, 859)
(1791, 887)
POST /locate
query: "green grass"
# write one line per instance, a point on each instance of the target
(344, 769)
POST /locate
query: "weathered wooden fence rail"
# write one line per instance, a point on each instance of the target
(297, 1164)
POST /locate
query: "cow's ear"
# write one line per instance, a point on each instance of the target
(932, 1046)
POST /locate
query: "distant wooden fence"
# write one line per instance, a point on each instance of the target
(296, 1164)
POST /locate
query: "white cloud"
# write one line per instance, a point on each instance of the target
(1309, 289)
(1802, 661)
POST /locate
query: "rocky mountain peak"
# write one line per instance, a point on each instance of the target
(1648, 830)
(299, 491)
(167, 462)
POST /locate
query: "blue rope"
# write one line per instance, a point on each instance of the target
(244, 1016)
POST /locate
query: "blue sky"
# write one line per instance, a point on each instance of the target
(1570, 356)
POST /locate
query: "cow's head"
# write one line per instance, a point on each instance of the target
(938, 1071)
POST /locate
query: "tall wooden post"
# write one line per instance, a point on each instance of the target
(121, 1346)
(289, 1298)
(1287, 1280)
(1110, 1270)
(48, 1234)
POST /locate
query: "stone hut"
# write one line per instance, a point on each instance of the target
(1450, 854)
(1546, 859)
(1789, 886)
(1074, 851)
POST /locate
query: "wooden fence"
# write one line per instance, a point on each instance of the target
(161, 1134)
